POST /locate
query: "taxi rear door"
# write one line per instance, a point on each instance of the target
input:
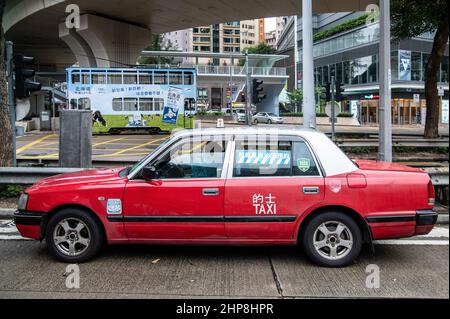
(272, 181)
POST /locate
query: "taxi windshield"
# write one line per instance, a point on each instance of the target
(136, 166)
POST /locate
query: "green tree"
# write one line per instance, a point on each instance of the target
(411, 18)
(261, 48)
(295, 97)
(158, 43)
(5, 125)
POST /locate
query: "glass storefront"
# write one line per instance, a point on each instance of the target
(404, 110)
(365, 70)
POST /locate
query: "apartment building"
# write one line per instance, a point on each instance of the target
(230, 37)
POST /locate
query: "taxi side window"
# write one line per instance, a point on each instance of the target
(256, 158)
(262, 158)
(303, 163)
(192, 158)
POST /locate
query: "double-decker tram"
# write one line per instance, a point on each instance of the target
(133, 99)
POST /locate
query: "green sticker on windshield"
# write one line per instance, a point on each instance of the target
(304, 164)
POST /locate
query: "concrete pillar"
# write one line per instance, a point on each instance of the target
(102, 42)
(385, 107)
(75, 139)
(309, 100)
(272, 101)
(78, 46)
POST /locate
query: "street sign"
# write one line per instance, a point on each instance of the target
(416, 99)
(441, 91)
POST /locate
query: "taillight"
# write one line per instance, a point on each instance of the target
(431, 194)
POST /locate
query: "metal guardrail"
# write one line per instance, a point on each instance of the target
(240, 71)
(407, 142)
(30, 175)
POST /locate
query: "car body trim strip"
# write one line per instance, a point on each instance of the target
(202, 219)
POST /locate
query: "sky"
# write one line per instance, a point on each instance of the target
(271, 24)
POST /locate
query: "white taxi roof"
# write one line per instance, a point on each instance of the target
(332, 158)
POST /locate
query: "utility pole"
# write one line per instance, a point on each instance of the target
(309, 99)
(296, 58)
(11, 99)
(385, 107)
(333, 109)
(248, 101)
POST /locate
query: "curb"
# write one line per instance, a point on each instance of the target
(6, 212)
(9, 212)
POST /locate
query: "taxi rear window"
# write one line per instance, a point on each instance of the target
(273, 159)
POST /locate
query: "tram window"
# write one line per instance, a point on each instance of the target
(99, 78)
(114, 77)
(117, 104)
(145, 78)
(176, 78)
(85, 77)
(189, 105)
(130, 78)
(161, 78)
(84, 104)
(188, 79)
(76, 78)
(73, 104)
(159, 104)
(130, 105)
(145, 104)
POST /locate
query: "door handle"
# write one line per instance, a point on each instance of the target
(210, 191)
(311, 190)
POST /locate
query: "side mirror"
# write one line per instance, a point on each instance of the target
(148, 172)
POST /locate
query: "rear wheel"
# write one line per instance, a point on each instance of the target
(73, 236)
(269, 122)
(332, 239)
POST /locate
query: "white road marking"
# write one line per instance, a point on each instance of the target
(13, 237)
(412, 242)
(436, 233)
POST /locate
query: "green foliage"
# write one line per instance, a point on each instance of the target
(345, 114)
(9, 191)
(341, 28)
(292, 114)
(158, 43)
(261, 48)
(321, 114)
(295, 97)
(411, 18)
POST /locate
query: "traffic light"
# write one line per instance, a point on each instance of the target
(23, 70)
(328, 92)
(258, 96)
(242, 97)
(339, 91)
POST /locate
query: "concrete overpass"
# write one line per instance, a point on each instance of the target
(113, 32)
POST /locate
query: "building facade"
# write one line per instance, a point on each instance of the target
(271, 39)
(351, 57)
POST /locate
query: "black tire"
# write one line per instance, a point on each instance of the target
(255, 121)
(95, 235)
(349, 255)
(269, 122)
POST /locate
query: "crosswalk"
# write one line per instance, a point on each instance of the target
(439, 236)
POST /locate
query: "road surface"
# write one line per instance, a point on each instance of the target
(416, 268)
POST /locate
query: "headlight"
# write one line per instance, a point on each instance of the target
(23, 200)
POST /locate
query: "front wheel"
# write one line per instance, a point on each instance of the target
(269, 122)
(73, 236)
(332, 239)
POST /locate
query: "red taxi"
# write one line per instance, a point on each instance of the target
(232, 186)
